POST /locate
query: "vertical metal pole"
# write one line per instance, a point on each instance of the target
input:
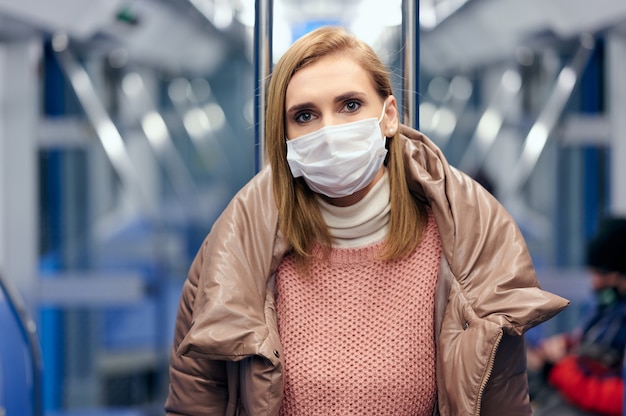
(411, 64)
(616, 94)
(19, 233)
(19, 238)
(262, 69)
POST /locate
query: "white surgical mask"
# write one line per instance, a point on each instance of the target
(339, 160)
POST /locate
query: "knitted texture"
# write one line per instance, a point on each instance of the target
(358, 333)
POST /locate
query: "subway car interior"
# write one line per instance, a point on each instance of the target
(126, 126)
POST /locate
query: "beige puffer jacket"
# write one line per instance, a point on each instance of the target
(226, 357)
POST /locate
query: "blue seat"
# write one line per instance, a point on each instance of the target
(20, 358)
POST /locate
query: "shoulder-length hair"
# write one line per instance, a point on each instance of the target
(300, 218)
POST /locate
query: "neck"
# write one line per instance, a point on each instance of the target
(363, 222)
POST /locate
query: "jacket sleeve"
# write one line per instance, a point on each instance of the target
(481, 242)
(494, 295)
(197, 385)
(588, 390)
(223, 316)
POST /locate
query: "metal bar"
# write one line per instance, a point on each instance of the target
(491, 122)
(262, 71)
(29, 332)
(616, 100)
(535, 141)
(107, 132)
(92, 289)
(158, 135)
(410, 45)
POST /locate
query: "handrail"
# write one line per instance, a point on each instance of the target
(410, 64)
(158, 135)
(491, 122)
(262, 70)
(107, 132)
(28, 328)
(537, 137)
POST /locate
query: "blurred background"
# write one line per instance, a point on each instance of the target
(127, 125)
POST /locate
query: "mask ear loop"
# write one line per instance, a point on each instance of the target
(382, 114)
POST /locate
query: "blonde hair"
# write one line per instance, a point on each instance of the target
(300, 218)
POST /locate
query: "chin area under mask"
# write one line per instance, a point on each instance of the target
(608, 296)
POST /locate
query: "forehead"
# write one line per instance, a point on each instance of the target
(326, 78)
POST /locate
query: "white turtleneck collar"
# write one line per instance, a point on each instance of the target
(363, 223)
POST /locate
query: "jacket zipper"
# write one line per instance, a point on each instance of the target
(483, 384)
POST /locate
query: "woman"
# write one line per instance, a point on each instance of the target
(358, 273)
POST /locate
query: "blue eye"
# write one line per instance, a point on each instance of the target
(304, 117)
(352, 106)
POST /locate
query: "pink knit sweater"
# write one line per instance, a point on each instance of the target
(358, 336)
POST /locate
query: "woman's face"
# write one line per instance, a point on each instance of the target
(334, 90)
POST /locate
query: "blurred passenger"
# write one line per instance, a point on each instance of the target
(583, 369)
(357, 274)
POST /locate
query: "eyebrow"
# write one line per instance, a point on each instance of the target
(338, 99)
